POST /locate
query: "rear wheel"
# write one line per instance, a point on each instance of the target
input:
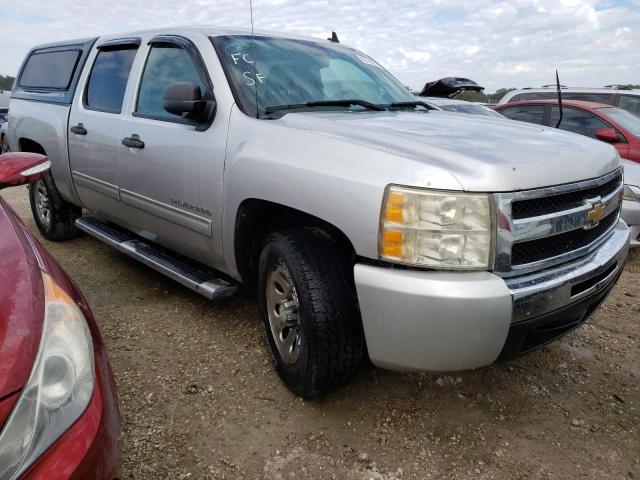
(309, 311)
(4, 145)
(54, 216)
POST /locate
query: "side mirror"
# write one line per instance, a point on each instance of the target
(21, 168)
(185, 99)
(607, 135)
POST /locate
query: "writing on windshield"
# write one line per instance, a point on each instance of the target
(269, 71)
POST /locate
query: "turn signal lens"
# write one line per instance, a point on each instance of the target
(394, 208)
(393, 243)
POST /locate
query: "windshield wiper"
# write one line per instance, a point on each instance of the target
(413, 105)
(327, 103)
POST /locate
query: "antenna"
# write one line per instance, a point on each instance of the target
(559, 99)
(334, 37)
(253, 48)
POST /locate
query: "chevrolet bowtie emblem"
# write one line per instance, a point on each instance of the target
(594, 216)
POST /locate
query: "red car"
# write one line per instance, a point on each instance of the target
(59, 414)
(596, 120)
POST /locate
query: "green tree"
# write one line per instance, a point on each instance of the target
(501, 92)
(470, 96)
(6, 82)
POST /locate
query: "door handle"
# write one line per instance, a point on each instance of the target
(133, 141)
(79, 129)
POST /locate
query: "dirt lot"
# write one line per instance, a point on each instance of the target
(199, 397)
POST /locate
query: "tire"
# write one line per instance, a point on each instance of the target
(4, 145)
(329, 344)
(54, 216)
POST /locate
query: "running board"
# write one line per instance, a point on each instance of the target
(189, 273)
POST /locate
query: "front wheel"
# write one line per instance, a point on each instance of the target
(309, 311)
(54, 216)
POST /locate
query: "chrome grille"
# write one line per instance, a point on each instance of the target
(564, 201)
(544, 227)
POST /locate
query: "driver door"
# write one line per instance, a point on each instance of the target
(171, 169)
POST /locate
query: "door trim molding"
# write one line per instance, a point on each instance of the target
(189, 220)
(100, 186)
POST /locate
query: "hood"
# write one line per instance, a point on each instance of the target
(631, 173)
(21, 304)
(483, 154)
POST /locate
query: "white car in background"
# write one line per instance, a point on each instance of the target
(631, 204)
(461, 106)
(440, 94)
(616, 95)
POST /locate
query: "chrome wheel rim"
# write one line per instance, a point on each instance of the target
(283, 311)
(43, 206)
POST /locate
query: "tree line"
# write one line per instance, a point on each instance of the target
(6, 82)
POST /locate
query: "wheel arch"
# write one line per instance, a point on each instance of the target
(257, 218)
(28, 145)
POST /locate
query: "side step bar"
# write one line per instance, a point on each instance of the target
(189, 273)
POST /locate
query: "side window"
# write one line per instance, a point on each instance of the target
(51, 70)
(108, 79)
(578, 121)
(166, 64)
(533, 96)
(630, 103)
(608, 98)
(525, 113)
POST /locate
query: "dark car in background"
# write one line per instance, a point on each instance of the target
(596, 120)
(59, 414)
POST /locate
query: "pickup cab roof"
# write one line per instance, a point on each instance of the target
(206, 30)
(64, 61)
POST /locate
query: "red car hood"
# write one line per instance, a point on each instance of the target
(21, 305)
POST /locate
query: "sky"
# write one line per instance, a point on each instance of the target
(516, 43)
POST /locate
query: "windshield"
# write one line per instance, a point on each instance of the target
(624, 118)
(294, 72)
(471, 109)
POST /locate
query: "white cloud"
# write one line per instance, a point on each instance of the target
(497, 43)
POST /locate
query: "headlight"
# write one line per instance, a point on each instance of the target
(436, 229)
(58, 390)
(631, 193)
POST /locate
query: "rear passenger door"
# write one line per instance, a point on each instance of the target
(171, 178)
(95, 123)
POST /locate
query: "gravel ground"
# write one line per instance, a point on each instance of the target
(199, 397)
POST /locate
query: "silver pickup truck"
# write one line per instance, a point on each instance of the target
(368, 223)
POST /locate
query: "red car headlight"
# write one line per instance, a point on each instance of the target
(59, 388)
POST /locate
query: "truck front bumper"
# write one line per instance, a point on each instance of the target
(448, 321)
